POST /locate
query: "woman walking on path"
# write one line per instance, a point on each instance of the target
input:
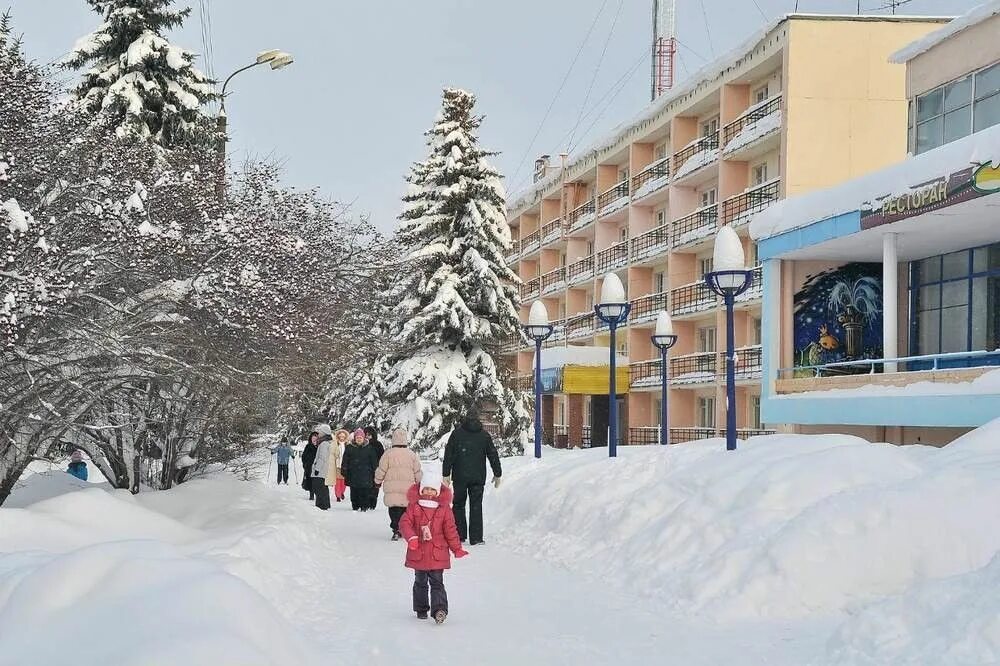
(359, 465)
(429, 528)
(308, 458)
(340, 487)
(397, 471)
(320, 474)
(372, 436)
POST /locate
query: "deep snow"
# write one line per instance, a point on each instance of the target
(792, 550)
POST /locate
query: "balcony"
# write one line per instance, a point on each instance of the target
(613, 257)
(651, 179)
(514, 253)
(525, 383)
(551, 231)
(650, 244)
(531, 242)
(647, 308)
(553, 280)
(580, 270)
(643, 436)
(683, 435)
(613, 199)
(644, 373)
(699, 225)
(558, 336)
(755, 123)
(696, 155)
(691, 298)
(512, 343)
(582, 216)
(738, 210)
(747, 433)
(530, 289)
(580, 326)
(749, 362)
(756, 290)
(699, 368)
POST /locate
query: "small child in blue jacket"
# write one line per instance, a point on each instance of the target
(77, 467)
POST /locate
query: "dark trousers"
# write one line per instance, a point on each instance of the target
(395, 514)
(438, 597)
(363, 498)
(322, 492)
(373, 500)
(474, 493)
(283, 473)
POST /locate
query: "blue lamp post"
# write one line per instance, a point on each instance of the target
(729, 279)
(663, 339)
(539, 330)
(613, 310)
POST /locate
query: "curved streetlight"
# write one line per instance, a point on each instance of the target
(663, 338)
(613, 310)
(277, 59)
(539, 330)
(729, 279)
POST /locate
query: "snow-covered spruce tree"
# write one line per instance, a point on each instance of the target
(459, 298)
(135, 79)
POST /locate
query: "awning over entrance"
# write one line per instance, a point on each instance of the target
(582, 370)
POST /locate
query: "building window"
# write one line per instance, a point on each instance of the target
(955, 110)
(590, 248)
(758, 174)
(657, 412)
(755, 412)
(562, 311)
(709, 197)
(562, 412)
(754, 255)
(706, 339)
(706, 412)
(622, 174)
(710, 127)
(955, 300)
(704, 266)
(756, 331)
(623, 234)
(760, 94)
(660, 151)
(661, 217)
(659, 282)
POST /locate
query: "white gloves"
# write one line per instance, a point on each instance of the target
(496, 482)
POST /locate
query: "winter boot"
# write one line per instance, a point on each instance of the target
(396, 536)
(440, 616)
(421, 615)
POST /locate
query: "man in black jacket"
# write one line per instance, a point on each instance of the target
(308, 456)
(464, 467)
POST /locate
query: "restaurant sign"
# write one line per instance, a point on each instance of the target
(969, 183)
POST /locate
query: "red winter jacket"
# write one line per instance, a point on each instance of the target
(432, 555)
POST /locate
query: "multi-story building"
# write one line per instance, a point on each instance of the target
(802, 105)
(882, 294)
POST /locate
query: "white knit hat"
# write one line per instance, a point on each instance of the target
(431, 479)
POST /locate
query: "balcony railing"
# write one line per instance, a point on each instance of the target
(737, 210)
(531, 242)
(747, 433)
(582, 216)
(530, 289)
(756, 289)
(580, 270)
(694, 297)
(554, 280)
(643, 436)
(682, 435)
(705, 145)
(613, 257)
(580, 326)
(750, 117)
(613, 199)
(644, 373)
(524, 383)
(749, 361)
(700, 224)
(696, 368)
(513, 342)
(650, 243)
(551, 231)
(514, 253)
(647, 308)
(558, 336)
(651, 179)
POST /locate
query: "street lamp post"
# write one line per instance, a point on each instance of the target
(613, 310)
(277, 59)
(663, 338)
(539, 330)
(729, 279)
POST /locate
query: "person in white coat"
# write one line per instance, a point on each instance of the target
(324, 449)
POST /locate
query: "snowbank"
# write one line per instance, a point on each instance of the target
(985, 384)
(976, 15)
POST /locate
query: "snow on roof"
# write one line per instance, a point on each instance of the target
(799, 211)
(974, 16)
(558, 357)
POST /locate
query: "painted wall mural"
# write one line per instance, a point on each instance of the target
(838, 317)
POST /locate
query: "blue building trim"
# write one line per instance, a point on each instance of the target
(899, 409)
(811, 234)
(771, 315)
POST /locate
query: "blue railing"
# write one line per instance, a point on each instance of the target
(925, 362)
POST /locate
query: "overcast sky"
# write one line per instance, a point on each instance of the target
(348, 116)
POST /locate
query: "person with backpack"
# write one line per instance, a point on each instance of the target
(464, 468)
(308, 458)
(77, 467)
(397, 471)
(284, 453)
(358, 466)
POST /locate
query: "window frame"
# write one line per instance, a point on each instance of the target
(975, 96)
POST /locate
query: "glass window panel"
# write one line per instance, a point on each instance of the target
(955, 329)
(928, 328)
(929, 270)
(954, 293)
(958, 94)
(986, 113)
(929, 297)
(955, 265)
(929, 105)
(929, 135)
(986, 258)
(957, 124)
(988, 81)
(981, 338)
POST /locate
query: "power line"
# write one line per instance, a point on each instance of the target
(624, 83)
(708, 31)
(757, 5)
(555, 97)
(597, 69)
(693, 52)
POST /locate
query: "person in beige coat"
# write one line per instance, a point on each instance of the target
(334, 474)
(397, 471)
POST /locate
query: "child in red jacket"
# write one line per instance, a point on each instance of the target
(429, 529)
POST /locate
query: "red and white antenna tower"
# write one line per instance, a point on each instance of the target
(664, 46)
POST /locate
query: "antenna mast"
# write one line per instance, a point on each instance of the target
(664, 47)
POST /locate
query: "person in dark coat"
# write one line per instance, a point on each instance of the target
(308, 458)
(372, 436)
(359, 465)
(464, 468)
